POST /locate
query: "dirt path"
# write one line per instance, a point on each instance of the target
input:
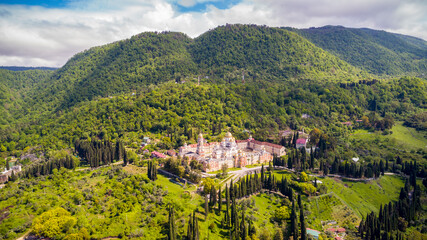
(88, 168)
(25, 235)
(240, 173)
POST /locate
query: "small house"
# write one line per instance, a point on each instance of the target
(301, 143)
(155, 154)
(171, 153)
(146, 140)
(348, 124)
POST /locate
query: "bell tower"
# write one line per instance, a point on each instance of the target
(200, 145)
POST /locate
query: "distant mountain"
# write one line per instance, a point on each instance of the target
(376, 51)
(19, 68)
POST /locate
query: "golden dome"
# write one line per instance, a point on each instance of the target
(228, 134)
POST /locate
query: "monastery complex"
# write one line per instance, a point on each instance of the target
(231, 152)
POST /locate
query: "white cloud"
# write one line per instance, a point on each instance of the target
(36, 36)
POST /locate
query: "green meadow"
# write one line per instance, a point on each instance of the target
(403, 137)
(364, 197)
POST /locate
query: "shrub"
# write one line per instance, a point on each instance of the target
(53, 223)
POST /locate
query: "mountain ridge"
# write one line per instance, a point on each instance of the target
(376, 51)
(150, 58)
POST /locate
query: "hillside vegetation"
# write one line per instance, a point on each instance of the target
(182, 110)
(378, 52)
(223, 53)
(14, 90)
(265, 53)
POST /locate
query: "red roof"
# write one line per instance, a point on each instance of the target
(171, 153)
(301, 141)
(158, 155)
(338, 230)
(266, 143)
(240, 141)
(338, 238)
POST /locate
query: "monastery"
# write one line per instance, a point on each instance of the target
(231, 152)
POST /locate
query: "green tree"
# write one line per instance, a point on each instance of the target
(172, 227)
(282, 213)
(53, 223)
(303, 177)
(207, 184)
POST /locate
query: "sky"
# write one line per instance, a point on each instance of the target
(48, 33)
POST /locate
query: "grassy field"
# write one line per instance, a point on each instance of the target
(365, 197)
(363, 134)
(404, 137)
(408, 137)
(228, 170)
(282, 173)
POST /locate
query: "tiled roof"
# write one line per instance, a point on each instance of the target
(301, 141)
(266, 143)
(158, 155)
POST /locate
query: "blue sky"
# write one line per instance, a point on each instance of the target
(48, 33)
(48, 4)
(192, 6)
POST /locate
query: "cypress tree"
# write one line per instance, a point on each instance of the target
(196, 227)
(227, 201)
(13, 177)
(219, 200)
(302, 223)
(311, 158)
(213, 196)
(294, 225)
(149, 170)
(125, 158)
(262, 176)
(117, 151)
(206, 207)
(243, 232)
(172, 230)
(153, 171)
(190, 229)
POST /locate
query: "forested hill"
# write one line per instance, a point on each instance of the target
(147, 58)
(14, 88)
(378, 52)
(223, 53)
(264, 52)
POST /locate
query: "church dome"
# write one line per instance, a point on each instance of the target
(200, 135)
(228, 134)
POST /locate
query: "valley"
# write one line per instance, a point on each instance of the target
(244, 132)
